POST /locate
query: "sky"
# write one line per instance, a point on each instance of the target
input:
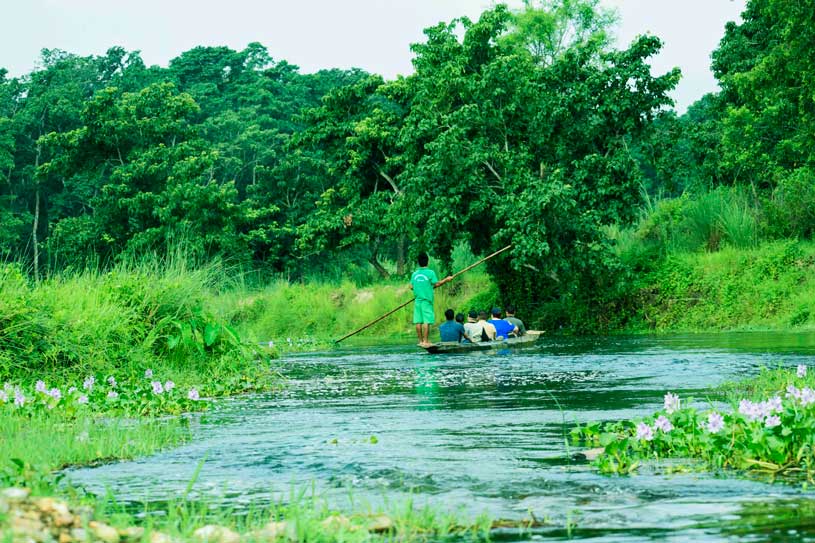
(374, 35)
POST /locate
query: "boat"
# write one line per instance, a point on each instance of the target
(444, 347)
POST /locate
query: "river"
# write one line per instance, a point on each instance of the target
(483, 432)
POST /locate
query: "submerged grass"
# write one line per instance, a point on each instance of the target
(35, 446)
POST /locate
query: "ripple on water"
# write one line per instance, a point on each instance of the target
(481, 432)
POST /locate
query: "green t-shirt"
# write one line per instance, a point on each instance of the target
(423, 280)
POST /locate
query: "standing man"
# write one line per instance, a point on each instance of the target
(423, 281)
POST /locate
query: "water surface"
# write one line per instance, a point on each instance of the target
(483, 432)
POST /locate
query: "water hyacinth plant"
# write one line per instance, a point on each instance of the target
(772, 433)
(130, 397)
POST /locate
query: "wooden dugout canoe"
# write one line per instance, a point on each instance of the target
(444, 347)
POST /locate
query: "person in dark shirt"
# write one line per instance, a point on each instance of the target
(452, 330)
(503, 329)
(510, 318)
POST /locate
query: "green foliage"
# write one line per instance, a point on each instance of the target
(127, 318)
(769, 431)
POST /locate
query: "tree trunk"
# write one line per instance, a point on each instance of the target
(374, 260)
(400, 256)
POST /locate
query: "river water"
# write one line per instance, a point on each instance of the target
(484, 432)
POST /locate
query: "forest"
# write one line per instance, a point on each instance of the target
(527, 127)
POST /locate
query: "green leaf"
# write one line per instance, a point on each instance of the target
(211, 333)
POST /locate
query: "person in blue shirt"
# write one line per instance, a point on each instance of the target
(452, 330)
(503, 328)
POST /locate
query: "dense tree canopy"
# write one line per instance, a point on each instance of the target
(523, 127)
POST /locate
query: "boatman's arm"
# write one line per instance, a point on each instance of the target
(443, 281)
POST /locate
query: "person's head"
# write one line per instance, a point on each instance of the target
(482, 315)
(510, 310)
(472, 315)
(496, 312)
(449, 314)
(423, 259)
(460, 318)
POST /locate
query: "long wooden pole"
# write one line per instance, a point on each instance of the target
(394, 310)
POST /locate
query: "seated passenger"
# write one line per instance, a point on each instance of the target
(481, 330)
(460, 320)
(510, 318)
(503, 329)
(451, 330)
(472, 328)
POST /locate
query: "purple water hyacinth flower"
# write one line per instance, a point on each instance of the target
(168, 386)
(793, 392)
(89, 382)
(749, 409)
(148, 373)
(82, 399)
(645, 432)
(772, 421)
(3, 396)
(40, 387)
(112, 381)
(715, 423)
(157, 388)
(671, 403)
(193, 395)
(802, 371)
(807, 396)
(775, 405)
(662, 423)
(71, 390)
(113, 394)
(19, 398)
(55, 393)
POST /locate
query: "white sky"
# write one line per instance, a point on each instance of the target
(371, 34)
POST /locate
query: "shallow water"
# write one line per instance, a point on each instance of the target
(483, 432)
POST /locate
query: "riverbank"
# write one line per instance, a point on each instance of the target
(769, 287)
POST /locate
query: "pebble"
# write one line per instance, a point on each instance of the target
(380, 524)
(216, 534)
(107, 534)
(335, 522)
(159, 537)
(133, 533)
(15, 495)
(270, 532)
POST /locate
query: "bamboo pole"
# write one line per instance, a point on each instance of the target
(394, 310)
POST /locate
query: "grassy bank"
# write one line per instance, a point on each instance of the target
(770, 286)
(97, 366)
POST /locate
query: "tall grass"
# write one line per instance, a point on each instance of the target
(726, 216)
(284, 310)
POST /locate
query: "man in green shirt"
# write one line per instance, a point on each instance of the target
(423, 281)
